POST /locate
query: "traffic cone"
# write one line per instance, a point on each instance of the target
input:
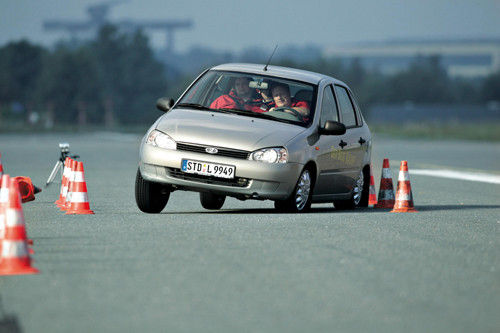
(64, 183)
(386, 190)
(79, 197)
(71, 175)
(372, 198)
(1, 166)
(4, 200)
(27, 189)
(15, 258)
(404, 197)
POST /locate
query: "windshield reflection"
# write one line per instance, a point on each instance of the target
(252, 95)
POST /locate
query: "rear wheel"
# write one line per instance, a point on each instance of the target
(212, 201)
(359, 194)
(150, 197)
(300, 200)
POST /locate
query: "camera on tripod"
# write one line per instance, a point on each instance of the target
(64, 146)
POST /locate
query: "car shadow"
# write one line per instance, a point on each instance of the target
(322, 210)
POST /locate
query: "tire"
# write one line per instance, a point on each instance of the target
(212, 201)
(150, 197)
(359, 195)
(301, 198)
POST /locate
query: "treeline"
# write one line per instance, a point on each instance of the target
(116, 79)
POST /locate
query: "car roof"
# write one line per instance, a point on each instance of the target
(276, 71)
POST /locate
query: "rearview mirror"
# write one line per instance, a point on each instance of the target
(259, 85)
(164, 104)
(333, 128)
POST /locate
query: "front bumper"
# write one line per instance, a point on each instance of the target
(253, 180)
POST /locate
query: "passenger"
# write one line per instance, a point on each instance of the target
(282, 98)
(241, 97)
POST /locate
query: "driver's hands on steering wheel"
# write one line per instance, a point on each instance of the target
(289, 110)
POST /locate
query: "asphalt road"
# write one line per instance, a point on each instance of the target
(245, 268)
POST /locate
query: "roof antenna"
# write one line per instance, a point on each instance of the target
(265, 67)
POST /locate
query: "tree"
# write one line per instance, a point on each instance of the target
(68, 83)
(490, 90)
(424, 82)
(131, 79)
(20, 67)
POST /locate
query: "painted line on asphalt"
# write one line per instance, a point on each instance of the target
(462, 175)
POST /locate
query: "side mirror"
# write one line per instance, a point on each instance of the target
(333, 128)
(164, 104)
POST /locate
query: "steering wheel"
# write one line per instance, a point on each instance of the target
(292, 111)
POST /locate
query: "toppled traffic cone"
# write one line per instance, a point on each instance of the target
(27, 189)
(79, 197)
(64, 183)
(372, 198)
(404, 197)
(386, 190)
(15, 258)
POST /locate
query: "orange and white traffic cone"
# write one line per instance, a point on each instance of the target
(27, 189)
(404, 197)
(372, 198)
(15, 258)
(79, 196)
(71, 176)
(64, 183)
(4, 200)
(386, 190)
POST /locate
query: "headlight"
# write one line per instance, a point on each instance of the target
(161, 140)
(270, 155)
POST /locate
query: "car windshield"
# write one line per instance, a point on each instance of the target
(252, 95)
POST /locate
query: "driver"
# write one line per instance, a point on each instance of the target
(282, 98)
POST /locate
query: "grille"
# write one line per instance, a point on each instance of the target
(235, 182)
(239, 154)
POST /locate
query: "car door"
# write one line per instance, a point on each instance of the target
(354, 142)
(330, 158)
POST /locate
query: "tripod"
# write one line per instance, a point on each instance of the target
(60, 163)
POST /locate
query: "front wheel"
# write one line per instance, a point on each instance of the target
(212, 201)
(150, 197)
(300, 200)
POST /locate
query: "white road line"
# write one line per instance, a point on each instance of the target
(472, 176)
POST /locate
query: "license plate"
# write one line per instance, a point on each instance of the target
(208, 169)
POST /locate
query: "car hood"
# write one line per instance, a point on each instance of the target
(226, 130)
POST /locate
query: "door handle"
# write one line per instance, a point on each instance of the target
(361, 141)
(342, 144)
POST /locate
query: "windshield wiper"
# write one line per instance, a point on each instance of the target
(194, 106)
(249, 113)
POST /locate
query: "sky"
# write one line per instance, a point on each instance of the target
(233, 25)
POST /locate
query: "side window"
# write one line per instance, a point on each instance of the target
(346, 107)
(328, 107)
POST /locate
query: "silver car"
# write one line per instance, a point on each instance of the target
(315, 149)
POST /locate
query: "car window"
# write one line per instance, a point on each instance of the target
(346, 107)
(249, 94)
(201, 91)
(329, 109)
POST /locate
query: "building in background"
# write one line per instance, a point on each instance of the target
(460, 58)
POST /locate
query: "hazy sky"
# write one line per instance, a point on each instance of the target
(234, 25)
